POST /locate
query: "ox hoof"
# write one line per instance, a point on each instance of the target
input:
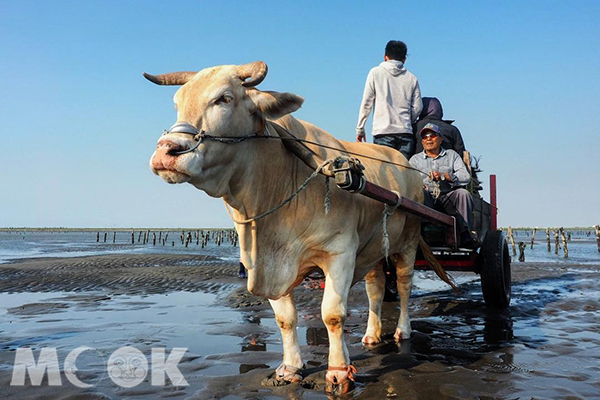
(338, 389)
(401, 335)
(340, 380)
(284, 375)
(371, 340)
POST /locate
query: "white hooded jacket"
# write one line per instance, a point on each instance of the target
(395, 94)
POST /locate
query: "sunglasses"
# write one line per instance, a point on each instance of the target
(429, 135)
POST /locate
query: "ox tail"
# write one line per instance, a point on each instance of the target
(437, 267)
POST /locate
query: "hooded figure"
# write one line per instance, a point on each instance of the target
(433, 113)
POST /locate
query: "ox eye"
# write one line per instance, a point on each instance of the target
(224, 99)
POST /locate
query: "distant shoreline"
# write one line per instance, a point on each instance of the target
(98, 229)
(111, 229)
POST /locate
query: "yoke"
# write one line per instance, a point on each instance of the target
(492, 260)
(348, 174)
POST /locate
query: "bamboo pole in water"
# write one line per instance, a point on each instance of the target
(512, 240)
(597, 228)
(556, 245)
(564, 242)
(533, 237)
(548, 239)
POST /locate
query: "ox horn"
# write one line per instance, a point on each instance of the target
(173, 78)
(256, 71)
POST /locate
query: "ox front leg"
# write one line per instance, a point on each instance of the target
(340, 378)
(287, 319)
(404, 272)
(375, 285)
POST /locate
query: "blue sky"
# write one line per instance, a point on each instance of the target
(79, 123)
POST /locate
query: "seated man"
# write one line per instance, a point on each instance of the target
(447, 172)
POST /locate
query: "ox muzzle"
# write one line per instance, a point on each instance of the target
(187, 129)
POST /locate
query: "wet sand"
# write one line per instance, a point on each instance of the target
(546, 346)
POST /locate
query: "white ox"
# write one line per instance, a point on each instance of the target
(280, 250)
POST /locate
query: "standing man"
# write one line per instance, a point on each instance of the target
(396, 96)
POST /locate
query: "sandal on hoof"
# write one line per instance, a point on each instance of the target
(343, 385)
(288, 373)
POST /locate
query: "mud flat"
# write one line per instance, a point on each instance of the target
(546, 346)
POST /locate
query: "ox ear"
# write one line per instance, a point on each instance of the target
(275, 105)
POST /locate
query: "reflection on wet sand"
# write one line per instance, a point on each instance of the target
(545, 346)
(317, 336)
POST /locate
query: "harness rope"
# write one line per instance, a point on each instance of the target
(350, 370)
(353, 153)
(435, 193)
(327, 195)
(387, 212)
(238, 139)
(284, 202)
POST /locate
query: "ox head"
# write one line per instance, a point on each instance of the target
(220, 101)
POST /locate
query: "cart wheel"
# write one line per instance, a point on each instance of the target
(495, 271)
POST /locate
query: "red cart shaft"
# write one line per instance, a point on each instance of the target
(390, 198)
(494, 224)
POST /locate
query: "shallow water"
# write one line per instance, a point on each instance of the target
(192, 320)
(24, 244)
(582, 248)
(545, 346)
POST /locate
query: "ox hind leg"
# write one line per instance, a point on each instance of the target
(338, 278)
(287, 319)
(405, 261)
(375, 285)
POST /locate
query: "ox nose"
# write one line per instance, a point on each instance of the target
(170, 148)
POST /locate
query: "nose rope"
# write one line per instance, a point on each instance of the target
(177, 153)
(188, 129)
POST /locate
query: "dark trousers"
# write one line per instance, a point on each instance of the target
(457, 203)
(405, 143)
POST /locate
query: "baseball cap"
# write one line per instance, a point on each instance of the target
(432, 128)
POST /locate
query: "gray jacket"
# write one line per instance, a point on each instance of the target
(395, 94)
(447, 161)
